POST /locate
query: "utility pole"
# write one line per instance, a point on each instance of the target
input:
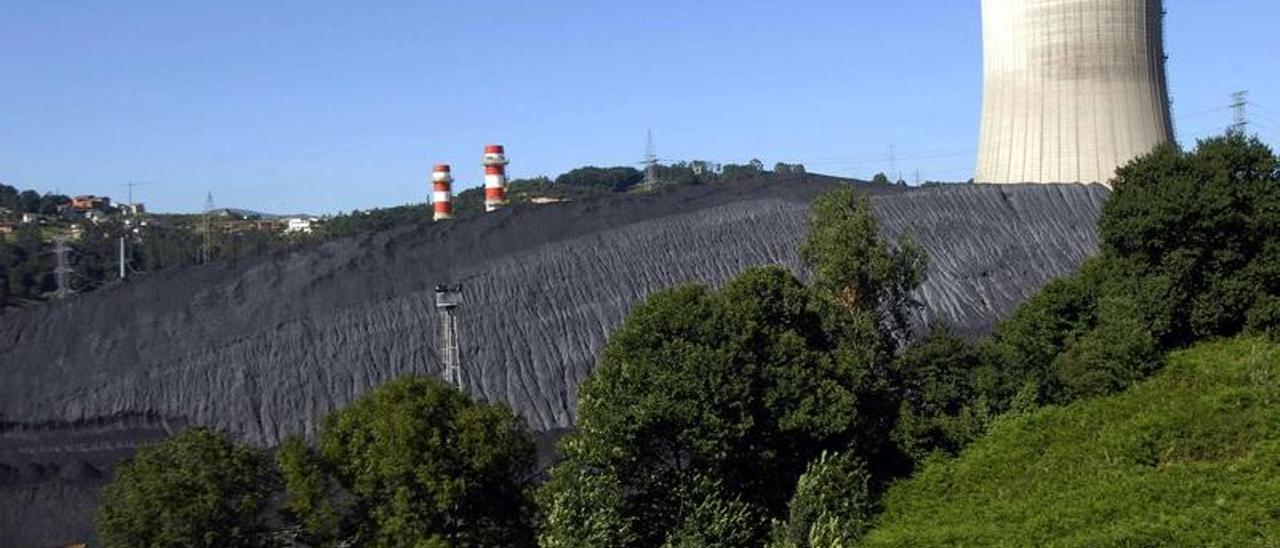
(1239, 104)
(208, 227)
(131, 213)
(448, 299)
(650, 163)
(63, 271)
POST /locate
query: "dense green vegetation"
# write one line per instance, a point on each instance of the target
(1190, 250)
(707, 406)
(196, 489)
(699, 388)
(1190, 457)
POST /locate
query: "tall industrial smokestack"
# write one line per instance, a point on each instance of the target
(1073, 89)
(442, 192)
(495, 177)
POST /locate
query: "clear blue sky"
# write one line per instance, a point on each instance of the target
(316, 106)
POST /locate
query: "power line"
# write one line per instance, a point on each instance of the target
(1215, 129)
(1204, 112)
(1256, 116)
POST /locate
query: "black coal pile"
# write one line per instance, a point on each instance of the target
(264, 347)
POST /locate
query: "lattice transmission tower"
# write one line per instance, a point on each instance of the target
(1239, 109)
(650, 163)
(62, 273)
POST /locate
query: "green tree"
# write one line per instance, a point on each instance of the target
(881, 179)
(739, 387)
(855, 266)
(615, 179)
(943, 383)
(833, 505)
(195, 489)
(714, 519)
(1206, 222)
(30, 265)
(738, 172)
(1189, 251)
(9, 197)
(678, 175)
(49, 203)
(29, 201)
(414, 463)
(584, 509)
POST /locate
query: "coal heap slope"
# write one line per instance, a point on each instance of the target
(263, 347)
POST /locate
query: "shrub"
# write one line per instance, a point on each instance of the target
(1187, 457)
(1264, 317)
(1117, 352)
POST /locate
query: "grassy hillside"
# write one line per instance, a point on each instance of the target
(1190, 458)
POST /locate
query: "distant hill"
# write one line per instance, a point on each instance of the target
(250, 214)
(1189, 458)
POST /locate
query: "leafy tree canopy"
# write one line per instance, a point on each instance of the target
(1189, 251)
(414, 463)
(195, 489)
(854, 266)
(833, 505)
(729, 394)
(615, 179)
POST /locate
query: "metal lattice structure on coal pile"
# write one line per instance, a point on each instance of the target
(448, 299)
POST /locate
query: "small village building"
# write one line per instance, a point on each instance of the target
(89, 202)
(300, 225)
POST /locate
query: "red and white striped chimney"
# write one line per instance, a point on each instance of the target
(442, 195)
(495, 177)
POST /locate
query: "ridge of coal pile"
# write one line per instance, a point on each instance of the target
(265, 347)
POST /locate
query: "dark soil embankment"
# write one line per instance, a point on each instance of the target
(264, 347)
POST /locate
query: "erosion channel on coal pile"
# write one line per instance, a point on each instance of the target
(264, 347)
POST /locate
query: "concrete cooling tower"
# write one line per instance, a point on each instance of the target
(1073, 89)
